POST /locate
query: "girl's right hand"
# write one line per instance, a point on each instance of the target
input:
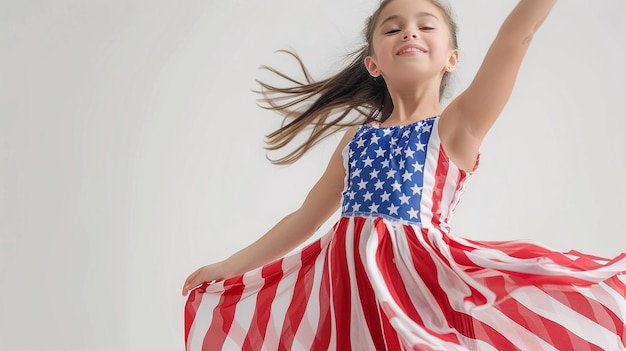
(209, 273)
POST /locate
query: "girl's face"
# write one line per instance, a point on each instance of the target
(411, 40)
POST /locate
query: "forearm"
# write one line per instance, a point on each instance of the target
(526, 19)
(286, 235)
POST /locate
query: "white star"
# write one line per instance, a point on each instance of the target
(397, 150)
(379, 184)
(401, 164)
(374, 208)
(353, 163)
(386, 131)
(356, 207)
(407, 176)
(416, 189)
(404, 199)
(364, 152)
(391, 173)
(393, 141)
(412, 213)
(380, 152)
(396, 186)
(393, 209)
(368, 161)
(350, 153)
(374, 139)
(384, 196)
(408, 152)
(360, 142)
(374, 174)
(351, 195)
(362, 184)
(385, 164)
(406, 133)
(427, 128)
(420, 146)
(367, 196)
(418, 167)
(356, 173)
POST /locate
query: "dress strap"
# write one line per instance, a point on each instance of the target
(375, 124)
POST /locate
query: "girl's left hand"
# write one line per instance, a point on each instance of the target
(213, 272)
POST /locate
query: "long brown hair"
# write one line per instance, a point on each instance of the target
(351, 97)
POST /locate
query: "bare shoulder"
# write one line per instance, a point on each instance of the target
(347, 136)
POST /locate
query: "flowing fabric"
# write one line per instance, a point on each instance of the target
(389, 276)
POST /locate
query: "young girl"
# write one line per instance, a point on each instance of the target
(389, 276)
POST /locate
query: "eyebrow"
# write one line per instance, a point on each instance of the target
(421, 14)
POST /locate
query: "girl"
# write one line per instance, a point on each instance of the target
(389, 276)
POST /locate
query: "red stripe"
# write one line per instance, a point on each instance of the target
(301, 293)
(272, 274)
(591, 309)
(391, 336)
(524, 250)
(393, 279)
(557, 335)
(457, 193)
(366, 292)
(191, 308)
(323, 332)
(223, 314)
(441, 174)
(428, 271)
(616, 284)
(341, 289)
(492, 337)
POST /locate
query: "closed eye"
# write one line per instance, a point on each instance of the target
(393, 31)
(427, 28)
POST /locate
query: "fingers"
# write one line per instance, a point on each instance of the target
(190, 282)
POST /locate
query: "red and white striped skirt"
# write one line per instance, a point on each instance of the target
(372, 284)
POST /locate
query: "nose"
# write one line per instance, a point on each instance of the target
(411, 33)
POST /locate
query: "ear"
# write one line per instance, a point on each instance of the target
(371, 66)
(453, 60)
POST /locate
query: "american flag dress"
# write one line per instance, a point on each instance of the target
(389, 276)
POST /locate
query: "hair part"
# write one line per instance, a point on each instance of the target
(350, 97)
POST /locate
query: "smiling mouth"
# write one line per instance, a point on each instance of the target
(410, 50)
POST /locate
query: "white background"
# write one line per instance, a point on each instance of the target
(131, 149)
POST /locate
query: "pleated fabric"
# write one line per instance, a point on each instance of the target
(389, 276)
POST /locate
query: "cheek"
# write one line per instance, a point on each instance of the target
(385, 50)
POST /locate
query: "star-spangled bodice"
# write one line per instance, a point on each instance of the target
(401, 173)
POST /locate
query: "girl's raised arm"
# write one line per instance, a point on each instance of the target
(469, 117)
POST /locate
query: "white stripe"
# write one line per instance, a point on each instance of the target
(476, 344)
(230, 345)
(602, 294)
(421, 296)
(406, 328)
(290, 266)
(620, 309)
(544, 305)
(202, 321)
(538, 266)
(360, 337)
(246, 306)
(305, 335)
(430, 167)
(449, 191)
(520, 336)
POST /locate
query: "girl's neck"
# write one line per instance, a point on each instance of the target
(413, 105)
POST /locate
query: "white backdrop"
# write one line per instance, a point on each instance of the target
(131, 149)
